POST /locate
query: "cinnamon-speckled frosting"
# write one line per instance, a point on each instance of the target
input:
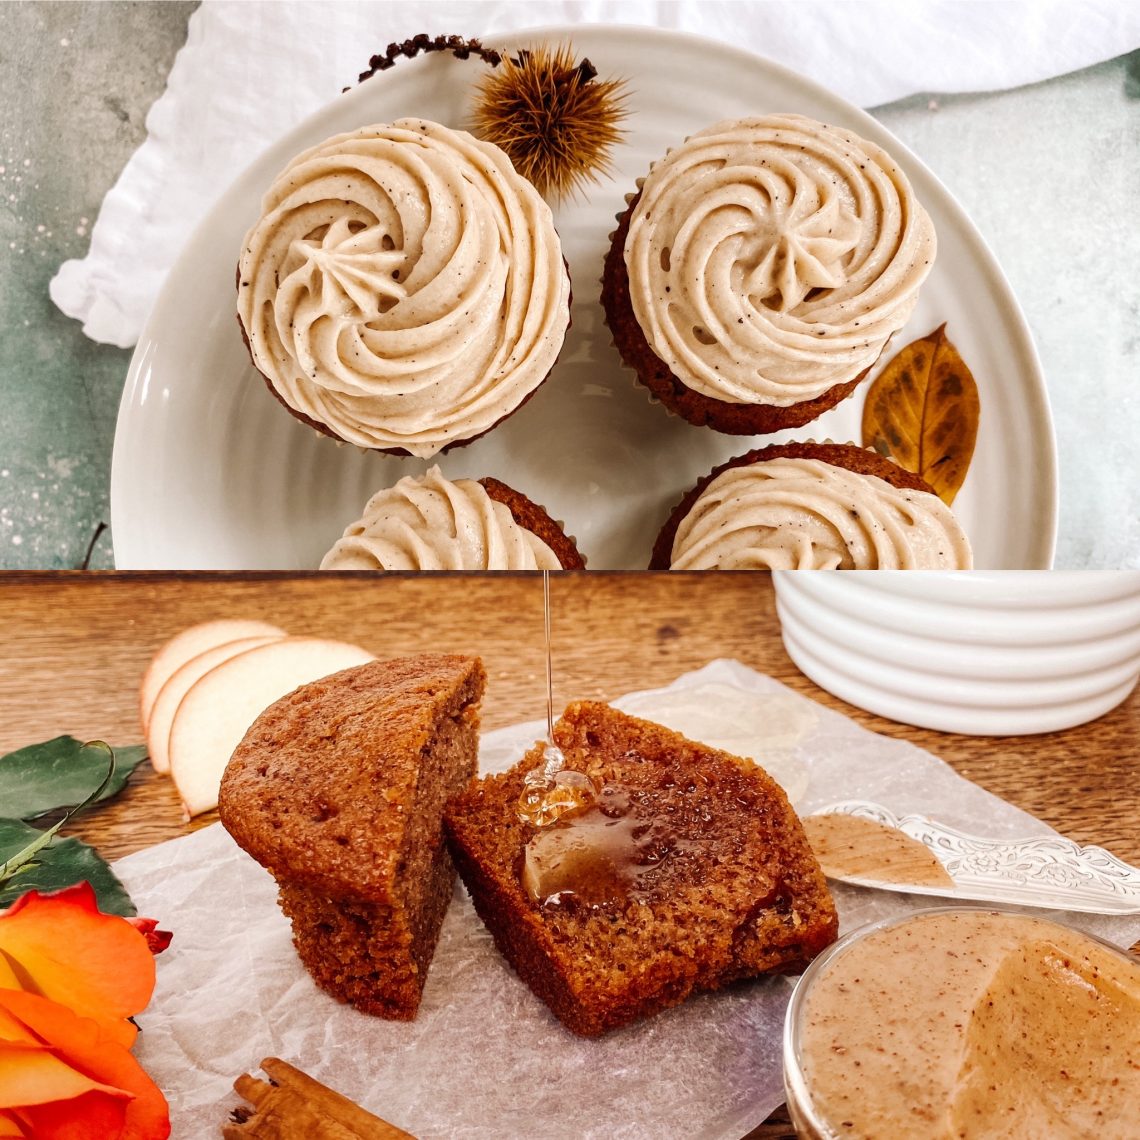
(403, 287)
(805, 514)
(770, 259)
(431, 523)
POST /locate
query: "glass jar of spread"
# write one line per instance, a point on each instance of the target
(965, 1022)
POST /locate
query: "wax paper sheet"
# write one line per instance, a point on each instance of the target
(485, 1058)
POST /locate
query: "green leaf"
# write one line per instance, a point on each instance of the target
(60, 864)
(60, 773)
(15, 863)
(38, 860)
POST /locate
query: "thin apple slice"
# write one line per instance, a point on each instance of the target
(179, 683)
(189, 643)
(219, 707)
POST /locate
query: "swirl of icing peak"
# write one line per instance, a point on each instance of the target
(770, 259)
(431, 523)
(805, 514)
(404, 287)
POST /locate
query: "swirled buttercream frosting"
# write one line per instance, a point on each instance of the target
(431, 523)
(404, 288)
(806, 514)
(770, 259)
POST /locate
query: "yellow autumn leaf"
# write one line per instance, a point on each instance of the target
(923, 413)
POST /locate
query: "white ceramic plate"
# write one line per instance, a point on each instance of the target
(210, 472)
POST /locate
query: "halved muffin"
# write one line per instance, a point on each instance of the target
(690, 871)
(338, 790)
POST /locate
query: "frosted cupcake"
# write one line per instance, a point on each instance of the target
(761, 269)
(404, 288)
(431, 523)
(811, 506)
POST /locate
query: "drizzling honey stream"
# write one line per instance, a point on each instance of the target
(549, 791)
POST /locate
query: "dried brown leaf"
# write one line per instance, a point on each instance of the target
(923, 412)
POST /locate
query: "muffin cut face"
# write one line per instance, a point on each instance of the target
(717, 881)
(404, 288)
(338, 790)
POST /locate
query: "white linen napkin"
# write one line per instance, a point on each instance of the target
(251, 71)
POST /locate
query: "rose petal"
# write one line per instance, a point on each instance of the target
(8, 979)
(62, 947)
(13, 1032)
(156, 940)
(31, 1075)
(92, 1116)
(82, 1044)
(10, 1128)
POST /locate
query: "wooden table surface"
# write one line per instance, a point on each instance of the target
(75, 647)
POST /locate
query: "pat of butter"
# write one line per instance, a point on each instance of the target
(589, 855)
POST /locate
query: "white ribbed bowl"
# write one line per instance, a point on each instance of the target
(996, 653)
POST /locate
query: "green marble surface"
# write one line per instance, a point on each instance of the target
(76, 80)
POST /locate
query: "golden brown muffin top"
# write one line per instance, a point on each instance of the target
(320, 788)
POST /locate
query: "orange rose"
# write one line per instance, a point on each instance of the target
(65, 1069)
(62, 1076)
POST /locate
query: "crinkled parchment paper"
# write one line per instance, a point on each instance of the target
(485, 1058)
